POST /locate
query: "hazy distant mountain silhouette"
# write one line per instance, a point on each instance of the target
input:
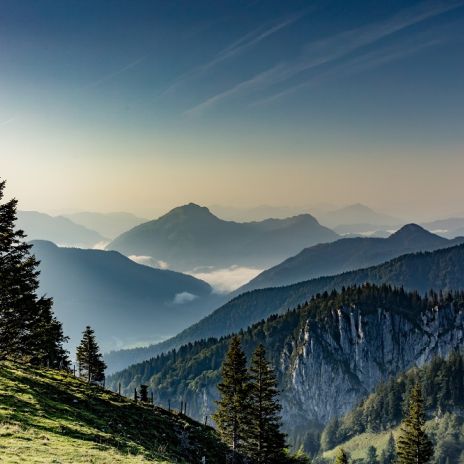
(357, 214)
(107, 224)
(123, 301)
(58, 229)
(347, 254)
(190, 236)
(450, 227)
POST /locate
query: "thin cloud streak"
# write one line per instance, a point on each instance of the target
(329, 50)
(113, 74)
(238, 47)
(356, 65)
(7, 121)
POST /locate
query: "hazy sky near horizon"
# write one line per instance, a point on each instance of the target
(144, 105)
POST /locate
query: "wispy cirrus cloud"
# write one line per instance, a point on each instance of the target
(355, 65)
(238, 47)
(327, 51)
(117, 72)
(7, 121)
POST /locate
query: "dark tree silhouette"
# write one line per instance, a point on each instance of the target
(28, 328)
(89, 359)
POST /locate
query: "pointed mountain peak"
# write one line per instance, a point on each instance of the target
(412, 232)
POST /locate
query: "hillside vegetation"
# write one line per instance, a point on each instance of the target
(372, 420)
(440, 270)
(329, 354)
(50, 416)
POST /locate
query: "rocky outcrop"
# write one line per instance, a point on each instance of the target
(334, 362)
(332, 366)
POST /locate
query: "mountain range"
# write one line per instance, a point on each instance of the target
(347, 254)
(328, 354)
(125, 303)
(190, 236)
(58, 229)
(442, 270)
(357, 214)
(109, 225)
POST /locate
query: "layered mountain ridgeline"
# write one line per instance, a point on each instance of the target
(58, 229)
(107, 224)
(441, 270)
(358, 214)
(51, 416)
(348, 254)
(442, 382)
(125, 302)
(329, 354)
(191, 236)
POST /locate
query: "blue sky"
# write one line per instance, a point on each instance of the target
(232, 102)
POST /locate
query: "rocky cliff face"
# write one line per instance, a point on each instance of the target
(328, 354)
(333, 363)
(331, 367)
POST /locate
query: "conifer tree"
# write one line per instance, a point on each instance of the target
(28, 328)
(371, 457)
(144, 393)
(342, 457)
(414, 446)
(265, 443)
(232, 412)
(91, 365)
(388, 455)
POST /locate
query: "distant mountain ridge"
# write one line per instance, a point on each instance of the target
(441, 270)
(109, 225)
(357, 214)
(58, 229)
(191, 236)
(347, 254)
(125, 302)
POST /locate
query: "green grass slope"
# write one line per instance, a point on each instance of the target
(49, 416)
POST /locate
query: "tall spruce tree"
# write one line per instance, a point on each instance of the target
(89, 359)
(144, 393)
(28, 328)
(232, 415)
(388, 455)
(414, 446)
(371, 457)
(265, 443)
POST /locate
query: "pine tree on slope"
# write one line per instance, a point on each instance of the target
(28, 329)
(231, 415)
(414, 446)
(265, 443)
(371, 455)
(89, 359)
(388, 455)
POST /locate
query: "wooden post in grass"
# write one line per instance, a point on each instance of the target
(185, 408)
(152, 399)
(119, 388)
(169, 405)
(206, 420)
(181, 406)
(135, 395)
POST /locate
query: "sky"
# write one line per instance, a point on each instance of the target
(142, 106)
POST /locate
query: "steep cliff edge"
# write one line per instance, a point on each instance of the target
(328, 354)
